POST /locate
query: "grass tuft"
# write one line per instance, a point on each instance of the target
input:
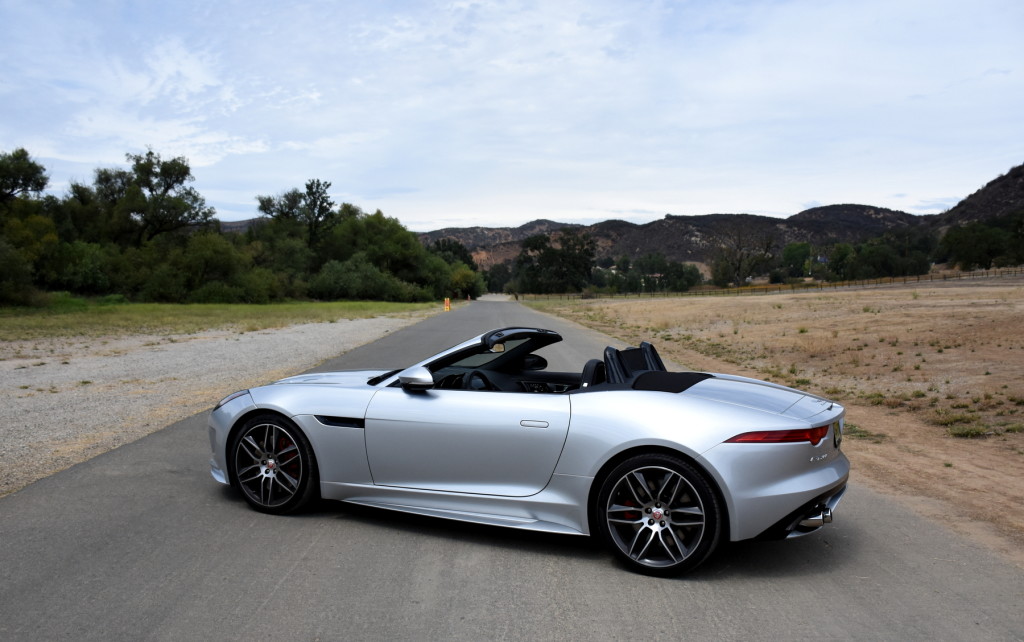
(856, 432)
(972, 431)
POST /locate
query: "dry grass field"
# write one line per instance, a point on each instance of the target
(932, 378)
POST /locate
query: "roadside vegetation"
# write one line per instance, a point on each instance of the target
(65, 316)
(144, 234)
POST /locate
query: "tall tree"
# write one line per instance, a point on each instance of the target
(156, 194)
(312, 209)
(285, 207)
(452, 251)
(543, 268)
(795, 258)
(20, 175)
(975, 245)
(744, 250)
(318, 209)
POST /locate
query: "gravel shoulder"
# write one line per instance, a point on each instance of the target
(63, 401)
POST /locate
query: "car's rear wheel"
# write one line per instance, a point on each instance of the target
(658, 515)
(274, 465)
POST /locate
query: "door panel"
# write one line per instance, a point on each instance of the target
(469, 441)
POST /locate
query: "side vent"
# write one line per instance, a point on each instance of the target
(341, 422)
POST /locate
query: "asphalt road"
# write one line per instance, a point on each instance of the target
(140, 544)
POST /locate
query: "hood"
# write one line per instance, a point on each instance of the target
(763, 396)
(348, 378)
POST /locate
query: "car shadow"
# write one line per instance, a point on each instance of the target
(831, 549)
(525, 541)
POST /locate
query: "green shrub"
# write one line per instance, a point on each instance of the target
(357, 278)
(15, 275)
(164, 284)
(216, 292)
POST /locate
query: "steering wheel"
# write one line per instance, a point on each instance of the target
(478, 381)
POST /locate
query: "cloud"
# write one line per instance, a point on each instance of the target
(935, 206)
(519, 108)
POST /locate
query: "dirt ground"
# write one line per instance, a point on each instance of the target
(932, 377)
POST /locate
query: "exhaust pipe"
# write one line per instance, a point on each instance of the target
(818, 517)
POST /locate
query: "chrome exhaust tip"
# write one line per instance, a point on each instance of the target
(819, 517)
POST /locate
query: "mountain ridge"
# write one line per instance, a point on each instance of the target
(693, 238)
(689, 238)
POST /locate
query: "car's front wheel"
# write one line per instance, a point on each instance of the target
(658, 515)
(273, 465)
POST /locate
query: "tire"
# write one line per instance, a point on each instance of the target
(273, 465)
(658, 515)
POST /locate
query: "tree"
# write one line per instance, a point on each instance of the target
(154, 193)
(388, 245)
(497, 277)
(312, 209)
(317, 211)
(359, 278)
(652, 268)
(284, 207)
(575, 260)
(20, 175)
(1014, 226)
(680, 277)
(465, 281)
(15, 275)
(842, 261)
(876, 260)
(795, 257)
(975, 245)
(544, 268)
(743, 250)
(452, 251)
(527, 270)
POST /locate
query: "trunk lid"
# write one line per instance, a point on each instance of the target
(763, 396)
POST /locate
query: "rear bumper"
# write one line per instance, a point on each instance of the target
(808, 518)
(771, 488)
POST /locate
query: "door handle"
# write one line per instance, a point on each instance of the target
(530, 423)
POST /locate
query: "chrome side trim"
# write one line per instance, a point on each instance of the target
(560, 508)
(475, 518)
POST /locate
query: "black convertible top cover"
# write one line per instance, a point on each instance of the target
(668, 381)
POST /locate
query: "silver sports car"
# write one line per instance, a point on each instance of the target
(660, 465)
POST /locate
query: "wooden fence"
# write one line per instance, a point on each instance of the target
(816, 286)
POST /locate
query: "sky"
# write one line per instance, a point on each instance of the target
(461, 113)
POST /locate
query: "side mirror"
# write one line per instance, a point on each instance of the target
(416, 379)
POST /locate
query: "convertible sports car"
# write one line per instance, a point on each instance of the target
(662, 466)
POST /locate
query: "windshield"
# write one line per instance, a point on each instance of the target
(483, 358)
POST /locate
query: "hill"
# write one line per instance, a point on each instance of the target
(1000, 197)
(688, 238)
(693, 238)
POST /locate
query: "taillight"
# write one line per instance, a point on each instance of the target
(811, 435)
